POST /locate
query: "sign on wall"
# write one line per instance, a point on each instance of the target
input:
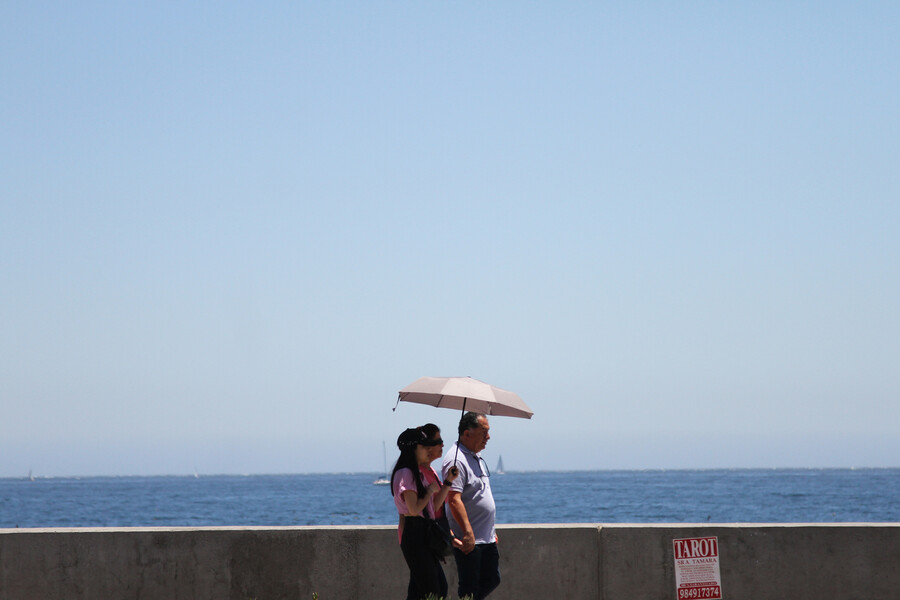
(697, 568)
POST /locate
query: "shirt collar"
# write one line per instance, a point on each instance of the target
(463, 449)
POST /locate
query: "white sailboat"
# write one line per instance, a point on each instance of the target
(383, 480)
(499, 470)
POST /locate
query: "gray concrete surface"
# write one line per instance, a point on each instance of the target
(758, 561)
(608, 562)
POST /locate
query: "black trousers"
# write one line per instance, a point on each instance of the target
(479, 571)
(425, 573)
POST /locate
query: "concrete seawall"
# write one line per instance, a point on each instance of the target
(607, 562)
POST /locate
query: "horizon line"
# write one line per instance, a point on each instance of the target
(197, 475)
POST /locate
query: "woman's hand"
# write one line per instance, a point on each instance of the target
(452, 474)
(457, 543)
(433, 488)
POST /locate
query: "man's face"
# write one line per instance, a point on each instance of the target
(476, 439)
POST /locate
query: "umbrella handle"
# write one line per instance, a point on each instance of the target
(456, 457)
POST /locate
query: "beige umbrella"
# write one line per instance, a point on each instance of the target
(465, 393)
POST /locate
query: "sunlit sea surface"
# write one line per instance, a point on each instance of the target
(680, 496)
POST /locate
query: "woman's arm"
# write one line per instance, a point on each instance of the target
(441, 495)
(414, 504)
(439, 498)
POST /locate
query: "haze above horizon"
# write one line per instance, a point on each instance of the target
(229, 234)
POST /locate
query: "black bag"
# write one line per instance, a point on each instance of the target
(439, 540)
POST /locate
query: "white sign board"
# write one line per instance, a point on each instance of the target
(697, 568)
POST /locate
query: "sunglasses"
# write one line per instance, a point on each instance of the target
(437, 442)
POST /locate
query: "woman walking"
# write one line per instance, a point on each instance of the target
(416, 502)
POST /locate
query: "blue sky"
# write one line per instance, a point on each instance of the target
(231, 232)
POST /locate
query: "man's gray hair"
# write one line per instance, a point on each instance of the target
(470, 421)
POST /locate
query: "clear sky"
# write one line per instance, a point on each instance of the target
(231, 232)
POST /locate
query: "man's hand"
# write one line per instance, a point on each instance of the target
(458, 510)
(468, 542)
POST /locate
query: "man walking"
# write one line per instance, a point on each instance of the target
(472, 510)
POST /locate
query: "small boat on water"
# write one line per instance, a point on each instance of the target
(499, 470)
(383, 480)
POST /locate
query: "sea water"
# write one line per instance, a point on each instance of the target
(677, 496)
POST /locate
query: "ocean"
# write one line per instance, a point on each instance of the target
(670, 496)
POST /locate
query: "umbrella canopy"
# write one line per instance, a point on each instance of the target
(465, 393)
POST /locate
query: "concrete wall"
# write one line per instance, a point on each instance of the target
(608, 562)
(759, 562)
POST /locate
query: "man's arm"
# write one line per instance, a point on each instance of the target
(458, 509)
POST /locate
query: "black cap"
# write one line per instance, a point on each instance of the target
(411, 438)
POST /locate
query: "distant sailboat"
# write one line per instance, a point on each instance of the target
(383, 480)
(499, 470)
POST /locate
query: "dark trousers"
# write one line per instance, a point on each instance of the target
(411, 589)
(479, 571)
(425, 573)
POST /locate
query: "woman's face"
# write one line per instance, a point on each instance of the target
(422, 454)
(435, 452)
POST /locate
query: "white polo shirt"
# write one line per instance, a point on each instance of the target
(474, 486)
